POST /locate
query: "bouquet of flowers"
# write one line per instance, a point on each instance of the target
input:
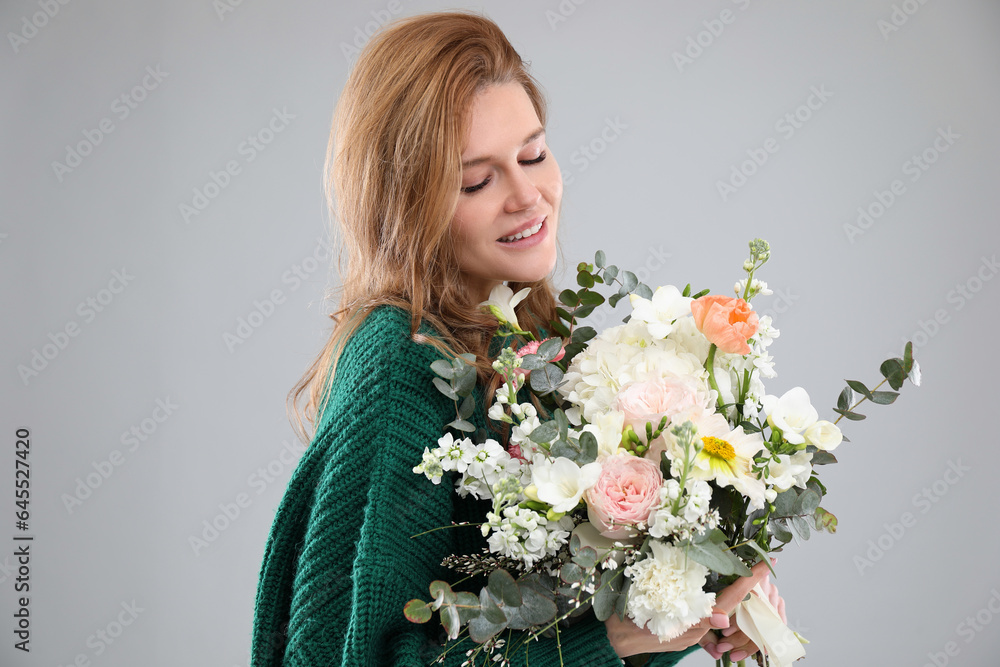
(646, 468)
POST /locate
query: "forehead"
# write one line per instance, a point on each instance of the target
(501, 117)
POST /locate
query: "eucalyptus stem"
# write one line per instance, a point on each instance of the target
(863, 399)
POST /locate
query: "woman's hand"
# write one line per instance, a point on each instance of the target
(629, 639)
(733, 639)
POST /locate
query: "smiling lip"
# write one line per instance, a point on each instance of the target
(529, 241)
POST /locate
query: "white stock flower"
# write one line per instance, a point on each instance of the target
(666, 592)
(502, 301)
(792, 413)
(660, 312)
(824, 435)
(561, 482)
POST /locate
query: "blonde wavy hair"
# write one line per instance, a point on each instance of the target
(392, 179)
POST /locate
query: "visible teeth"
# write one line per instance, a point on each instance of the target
(522, 235)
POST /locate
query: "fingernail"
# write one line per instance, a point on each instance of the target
(738, 655)
(728, 631)
(774, 561)
(720, 621)
(724, 646)
(713, 651)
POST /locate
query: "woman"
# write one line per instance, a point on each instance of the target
(444, 187)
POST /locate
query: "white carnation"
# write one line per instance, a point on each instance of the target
(666, 592)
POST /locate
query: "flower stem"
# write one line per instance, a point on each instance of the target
(710, 367)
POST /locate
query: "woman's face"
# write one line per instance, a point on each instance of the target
(511, 185)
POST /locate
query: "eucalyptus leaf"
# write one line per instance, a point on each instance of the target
(586, 558)
(884, 397)
(860, 388)
(908, 357)
(549, 349)
(562, 421)
(489, 622)
(503, 587)
(583, 334)
(853, 416)
(467, 407)
(808, 502)
(569, 297)
(825, 521)
(599, 259)
(823, 458)
(546, 379)
(892, 370)
(610, 273)
(588, 448)
(445, 389)
(785, 503)
(801, 527)
(749, 529)
(629, 282)
(571, 573)
(537, 608)
(464, 381)
(544, 433)
(417, 611)
(443, 368)
(607, 594)
(532, 362)
(845, 399)
(716, 558)
(468, 606)
(462, 425)
(643, 290)
(779, 528)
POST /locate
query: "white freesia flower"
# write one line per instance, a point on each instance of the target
(792, 413)
(914, 374)
(607, 428)
(787, 472)
(666, 592)
(561, 482)
(659, 313)
(824, 435)
(502, 301)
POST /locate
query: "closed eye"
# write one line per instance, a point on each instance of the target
(479, 186)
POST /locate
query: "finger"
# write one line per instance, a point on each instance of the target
(732, 595)
(781, 610)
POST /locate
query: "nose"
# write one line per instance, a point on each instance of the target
(523, 194)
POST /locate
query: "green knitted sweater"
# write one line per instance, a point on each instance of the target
(340, 562)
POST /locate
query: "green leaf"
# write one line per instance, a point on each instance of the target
(584, 279)
(465, 381)
(583, 311)
(884, 397)
(763, 555)
(700, 294)
(610, 273)
(569, 297)
(566, 449)
(749, 427)
(807, 503)
(532, 362)
(562, 421)
(718, 559)
(908, 357)
(445, 389)
(537, 608)
(749, 529)
(825, 521)
(845, 399)
(467, 408)
(588, 448)
(546, 379)
(607, 594)
(549, 349)
(629, 281)
(559, 327)
(785, 502)
(823, 458)
(583, 334)
(853, 416)
(503, 587)
(545, 433)
(468, 606)
(591, 298)
(644, 291)
(801, 527)
(892, 370)
(586, 558)
(417, 611)
(443, 368)
(614, 299)
(779, 528)
(490, 621)
(860, 388)
(574, 544)
(571, 573)
(462, 425)
(599, 259)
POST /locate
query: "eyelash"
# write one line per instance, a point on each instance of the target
(476, 188)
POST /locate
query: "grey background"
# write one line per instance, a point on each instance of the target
(649, 197)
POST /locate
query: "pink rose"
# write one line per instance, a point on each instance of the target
(532, 348)
(650, 401)
(725, 321)
(625, 493)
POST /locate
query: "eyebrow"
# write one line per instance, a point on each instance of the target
(479, 160)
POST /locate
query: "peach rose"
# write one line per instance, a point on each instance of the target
(626, 491)
(725, 321)
(650, 401)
